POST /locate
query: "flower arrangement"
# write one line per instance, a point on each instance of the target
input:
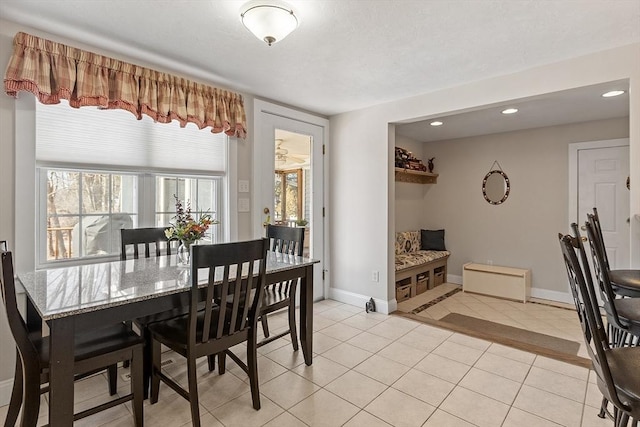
(185, 228)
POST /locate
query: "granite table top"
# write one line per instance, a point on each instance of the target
(65, 291)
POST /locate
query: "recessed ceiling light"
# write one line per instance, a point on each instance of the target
(510, 111)
(613, 93)
(436, 123)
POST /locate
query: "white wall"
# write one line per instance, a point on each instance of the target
(362, 199)
(522, 232)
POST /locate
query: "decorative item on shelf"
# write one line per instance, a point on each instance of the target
(187, 230)
(430, 164)
(302, 222)
(405, 159)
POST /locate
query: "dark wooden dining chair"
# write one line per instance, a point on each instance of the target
(148, 237)
(622, 313)
(277, 296)
(625, 282)
(134, 237)
(93, 351)
(617, 369)
(217, 327)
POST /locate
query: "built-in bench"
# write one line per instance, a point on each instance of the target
(416, 269)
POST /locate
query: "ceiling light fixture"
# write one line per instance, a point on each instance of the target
(510, 111)
(436, 123)
(612, 93)
(270, 22)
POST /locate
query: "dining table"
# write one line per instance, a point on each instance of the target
(79, 298)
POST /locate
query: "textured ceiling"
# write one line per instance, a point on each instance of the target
(346, 54)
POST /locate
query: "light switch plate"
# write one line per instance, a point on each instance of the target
(243, 205)
(243, 186)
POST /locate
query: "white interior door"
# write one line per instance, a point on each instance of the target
(602, 175)
(264, 168)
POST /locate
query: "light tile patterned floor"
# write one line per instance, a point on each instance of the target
(374, 370)
(559, 321)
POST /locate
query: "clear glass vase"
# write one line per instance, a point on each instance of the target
(184, 253)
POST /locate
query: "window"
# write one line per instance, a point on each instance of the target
(203, 195)
(100, 171)
(288, 192)
(85, 211)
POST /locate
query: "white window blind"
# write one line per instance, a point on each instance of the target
(88, 135)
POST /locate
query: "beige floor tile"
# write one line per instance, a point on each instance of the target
(206, 420)
(320, 322)
(519, 418)
(550, 406)
(286, 357)
(324, 409)
(390, 330)
(593, 397)
(322, 372)
(553, 382)
(561, 367)
(90, 387)
(171, 409)
(382, 369)
(370, 342)
(502, 366)
(213, 390)
(337, 314)
(425, 387)
(443, 419)
(433, 331)
(101, 417)
(288, 389)
(400, 409)
(458, 352)
(511, 353)
(341, 331)
(590, 418)
(363, 321)
(239, 412)
(426, 343)
(441, 367)
(347, 355)
(365, 419)
(475, 408)
(356, 388)
(468, 341)
(491, 385)
(402, 353)
(285, 420)
(322, 342)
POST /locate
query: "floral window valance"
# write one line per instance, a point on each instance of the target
(53, 71)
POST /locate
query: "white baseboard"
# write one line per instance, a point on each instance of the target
(552, 295)
(5, 391)
(358, 300)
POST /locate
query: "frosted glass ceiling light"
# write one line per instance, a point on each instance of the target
(269, 22)
(510, 111)
(436, 123)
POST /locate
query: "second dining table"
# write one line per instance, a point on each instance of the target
(85, 297)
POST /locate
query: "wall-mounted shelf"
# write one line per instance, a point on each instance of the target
(418, 177)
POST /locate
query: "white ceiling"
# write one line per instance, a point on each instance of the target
(346, 54)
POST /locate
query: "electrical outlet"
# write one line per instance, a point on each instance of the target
(243, 186)
(375, 276)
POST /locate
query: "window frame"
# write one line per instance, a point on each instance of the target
(146, 202)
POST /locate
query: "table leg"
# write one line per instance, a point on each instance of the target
(61, 344)
(306, 315)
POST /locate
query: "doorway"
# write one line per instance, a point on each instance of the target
(598, 173)
(289, 179)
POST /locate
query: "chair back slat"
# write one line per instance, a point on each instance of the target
(593, 329)
(287, 240)
(601, 273)
(17, 325)
(597, 227)
(232, 296)
(144, 236)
